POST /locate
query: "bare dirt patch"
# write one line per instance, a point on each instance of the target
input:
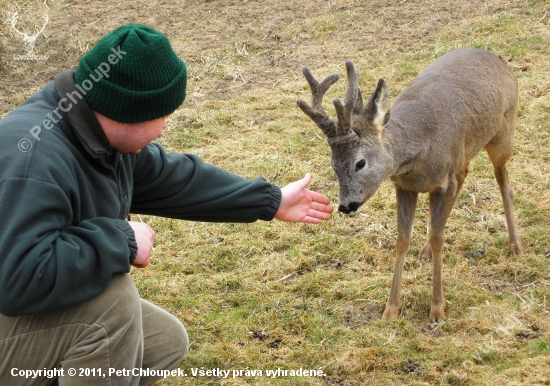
(355, 317)
(269, 40)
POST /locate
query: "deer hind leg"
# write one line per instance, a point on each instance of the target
(426, 251)
(441, 203)
(499, 155)
(406, 206)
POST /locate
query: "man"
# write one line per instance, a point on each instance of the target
(75, 159)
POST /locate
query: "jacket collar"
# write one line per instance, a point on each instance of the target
(80, 116)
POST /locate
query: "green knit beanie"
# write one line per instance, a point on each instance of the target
(132, 75)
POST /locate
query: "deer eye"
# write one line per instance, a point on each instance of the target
(360, 165)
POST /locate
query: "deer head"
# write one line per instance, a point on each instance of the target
(29, 39)
(361, 156)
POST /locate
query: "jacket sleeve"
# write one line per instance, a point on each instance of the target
(183, 186)
(48, 263)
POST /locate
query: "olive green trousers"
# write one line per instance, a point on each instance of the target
(115, 338)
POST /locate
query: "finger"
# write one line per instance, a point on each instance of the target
(318, 209)
(304, 181)
(318, 197)
(142, 264)
(321, 207)
(311, 220)
(318, 214)
(151, 231)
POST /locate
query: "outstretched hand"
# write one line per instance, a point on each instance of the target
(299, 204)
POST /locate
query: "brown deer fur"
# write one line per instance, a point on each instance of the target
(464, 101)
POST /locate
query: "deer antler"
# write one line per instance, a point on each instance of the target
(316, 111)
(30, 40)
(353, 102)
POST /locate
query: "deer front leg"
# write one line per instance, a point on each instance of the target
(441, 204)
(439, 212)
(406, 206)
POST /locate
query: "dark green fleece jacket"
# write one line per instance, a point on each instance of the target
(65, 194)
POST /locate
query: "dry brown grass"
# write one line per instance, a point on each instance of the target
(321, 289)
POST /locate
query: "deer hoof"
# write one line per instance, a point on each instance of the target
(391, 312)
(437, 314)
(436, 320)
(426, 251)
(515, 248)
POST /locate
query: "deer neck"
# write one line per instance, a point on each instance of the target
(404, 147)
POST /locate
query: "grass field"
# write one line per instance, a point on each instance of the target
(270, 295)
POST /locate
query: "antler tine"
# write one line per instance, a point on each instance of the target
(353, 102)
(316, 111)
(13, 21)
(353, 85)
(47, 19)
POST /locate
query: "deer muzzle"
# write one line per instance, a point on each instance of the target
(350, 208)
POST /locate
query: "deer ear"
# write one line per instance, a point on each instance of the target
(377, 111)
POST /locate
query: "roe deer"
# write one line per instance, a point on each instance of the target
(464, 101)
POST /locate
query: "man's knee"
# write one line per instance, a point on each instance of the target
(120, 302)
(182, 338)
(114, 320)
(166, 339)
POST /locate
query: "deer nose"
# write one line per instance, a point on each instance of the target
(351, 208)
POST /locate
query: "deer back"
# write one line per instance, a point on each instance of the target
(453, 108)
